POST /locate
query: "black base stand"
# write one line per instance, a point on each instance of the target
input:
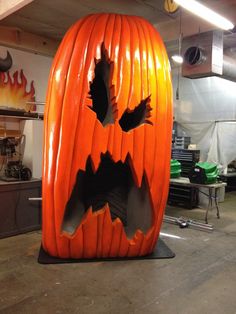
(161, 251)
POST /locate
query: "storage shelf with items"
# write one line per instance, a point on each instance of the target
(20, 144)
(19, 115)
(20, 153)
(12, 168)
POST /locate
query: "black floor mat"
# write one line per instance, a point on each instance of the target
(161, 251)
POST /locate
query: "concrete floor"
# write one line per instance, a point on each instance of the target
(200, 279)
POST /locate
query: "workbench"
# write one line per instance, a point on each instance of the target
(212, 194)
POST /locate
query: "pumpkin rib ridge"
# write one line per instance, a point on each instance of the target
(142, 97)
(167, 147)
(122, 64)
(136, 64)
(113, 103)
(45, 159)
(165, 176)
(155, 100)
(140, 47)
(167, 151)
(154, 96)
(82, 80)
(46, 163)
(161, 210)
(137, 133)
(61, 152)
(131, 50)
(98, 144)
(111, 18)
(57, 157)
(147, 130)
(120, 239)
(113, 56)
(118, 20)
(74, 164)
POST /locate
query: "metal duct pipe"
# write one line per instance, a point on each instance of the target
(229, 68)
(194, 56)
(204, 56)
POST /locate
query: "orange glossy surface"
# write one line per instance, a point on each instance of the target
(73, 132)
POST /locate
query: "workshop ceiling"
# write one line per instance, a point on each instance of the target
(52, 18)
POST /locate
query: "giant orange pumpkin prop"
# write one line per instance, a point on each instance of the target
(107, 140)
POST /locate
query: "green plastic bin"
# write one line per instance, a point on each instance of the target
(175, 168)
(204, 173)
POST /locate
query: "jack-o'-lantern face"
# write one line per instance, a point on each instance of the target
(107, 140)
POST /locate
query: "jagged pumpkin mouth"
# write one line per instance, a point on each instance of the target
(112, 186)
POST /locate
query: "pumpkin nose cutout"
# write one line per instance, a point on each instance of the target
(100, 89)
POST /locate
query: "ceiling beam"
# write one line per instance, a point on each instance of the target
(18, 39)
(10, 6)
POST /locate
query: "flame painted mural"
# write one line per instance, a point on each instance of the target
(13, 89)
(107, 140)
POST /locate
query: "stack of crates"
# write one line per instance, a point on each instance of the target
(187, 158)
(181, 195)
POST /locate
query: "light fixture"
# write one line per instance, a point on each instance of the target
(205, 13)
(177, 58)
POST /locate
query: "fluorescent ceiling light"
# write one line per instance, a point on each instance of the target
(8, 7)
(177, 58)
(205, 13)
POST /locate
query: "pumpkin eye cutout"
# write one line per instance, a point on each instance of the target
(133, 118)
(100, 89)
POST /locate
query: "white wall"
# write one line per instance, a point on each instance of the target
(36, 68)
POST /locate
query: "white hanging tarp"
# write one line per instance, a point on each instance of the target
(206, 111)
(223, 145)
